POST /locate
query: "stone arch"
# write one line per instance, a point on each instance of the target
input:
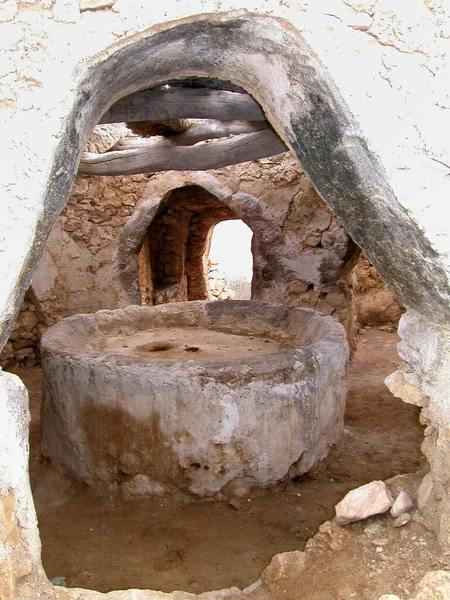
(177, 243)
(285, 268)
(135, 231)
(271, 61)
(268, 58)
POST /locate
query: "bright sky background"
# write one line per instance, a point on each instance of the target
(230, 247)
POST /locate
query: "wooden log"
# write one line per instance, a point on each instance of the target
(184, 103)
(197, 132)
(165, 156)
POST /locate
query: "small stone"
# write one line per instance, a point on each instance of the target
(27, 320)
(402, 504)
(61, 581)
(373, 528)
(235, 504)
(388, 597)
(371, 499)
(435, 585)
(379, 541)
(73, 224)
(403, 519)
(26, 355)
(7, 353)
(283, 574)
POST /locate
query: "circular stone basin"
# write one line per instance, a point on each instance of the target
(192, 395)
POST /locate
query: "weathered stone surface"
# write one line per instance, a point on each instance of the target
(411, 393)
(197, 423)
(425, 350)
(371, 499)
(95, 4)
(435, 585)
(402, 520)
(375, 304)
(233, 593)
(402, 504)
(283, 576)
(20, 569)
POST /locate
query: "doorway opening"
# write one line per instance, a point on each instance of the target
(230, 261)
(175, 253)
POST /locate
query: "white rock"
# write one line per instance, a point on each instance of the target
(402, 504)
(371, 499)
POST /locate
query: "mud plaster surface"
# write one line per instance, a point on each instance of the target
(188, 343)
(168, 543)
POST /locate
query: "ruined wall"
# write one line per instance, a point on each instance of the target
(77, 272)
(302, 254)
(23, 344)
(374, 303)
(178, 242)
(300, 250)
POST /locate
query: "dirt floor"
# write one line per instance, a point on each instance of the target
(168, 543)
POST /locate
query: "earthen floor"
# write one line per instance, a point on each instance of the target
(176, 543)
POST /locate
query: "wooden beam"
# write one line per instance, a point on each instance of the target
(197, 132)
(166, 156)
(184, 103)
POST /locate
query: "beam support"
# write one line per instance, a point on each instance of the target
(183, 103)
(164, 155)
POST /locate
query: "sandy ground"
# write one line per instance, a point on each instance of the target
(180, 543)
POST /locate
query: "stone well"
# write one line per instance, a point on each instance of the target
(192, 395)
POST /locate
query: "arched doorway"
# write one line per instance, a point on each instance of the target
(174, 255)
(230, 256)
